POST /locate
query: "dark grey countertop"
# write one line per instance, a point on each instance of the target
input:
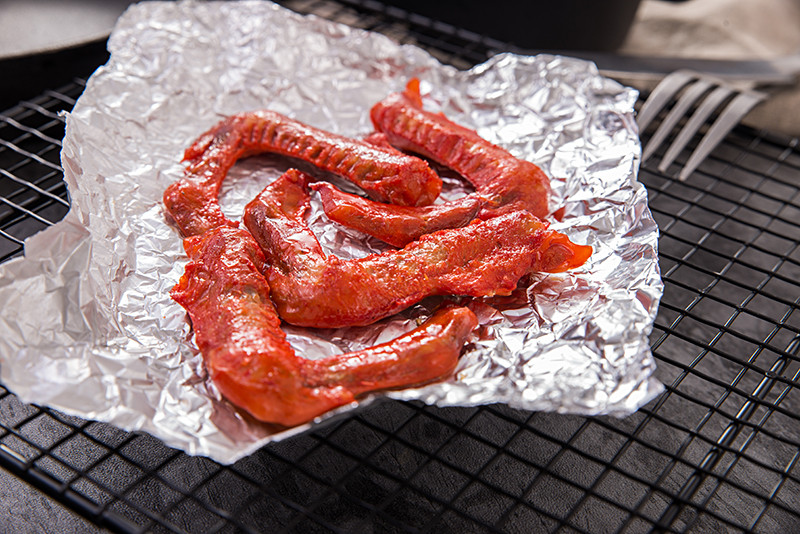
(26, 509)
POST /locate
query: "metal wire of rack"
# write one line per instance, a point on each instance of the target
(717, 451)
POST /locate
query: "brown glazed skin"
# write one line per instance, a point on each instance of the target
(247, 356)
(385, 174)
(311, 289)
(503, 182)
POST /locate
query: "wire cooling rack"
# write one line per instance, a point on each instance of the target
(718, 451)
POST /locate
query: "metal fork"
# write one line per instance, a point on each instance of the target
(705, 94)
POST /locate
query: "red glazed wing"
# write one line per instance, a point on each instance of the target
(396, 225)
(482, 259)
(385, 174)
(427, 353)
(512, 182)
(504, 182)
(254, 367)
(238, 331)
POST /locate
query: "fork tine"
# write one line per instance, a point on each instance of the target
(693, 125)
(663, 93)
(689, 97)
(730, 117)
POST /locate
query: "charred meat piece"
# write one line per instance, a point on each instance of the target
(255, 368)
(385, 174)
(481, 259)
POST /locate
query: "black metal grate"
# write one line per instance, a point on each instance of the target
(717, 452)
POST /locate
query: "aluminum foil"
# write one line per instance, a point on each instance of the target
(88, 325)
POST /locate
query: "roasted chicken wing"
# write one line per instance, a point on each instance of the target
(509, 182)
(254, 367)
(385, 174)
(396, 225)
(503, 182)
(481, 259)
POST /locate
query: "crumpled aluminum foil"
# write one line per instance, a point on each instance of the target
(89, 327)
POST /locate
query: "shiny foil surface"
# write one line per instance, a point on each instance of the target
(89, 327)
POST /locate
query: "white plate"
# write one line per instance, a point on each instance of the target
(29, 27)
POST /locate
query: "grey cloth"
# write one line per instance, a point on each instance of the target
(724, 29)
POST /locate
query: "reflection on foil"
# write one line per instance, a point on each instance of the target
(89, 327)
